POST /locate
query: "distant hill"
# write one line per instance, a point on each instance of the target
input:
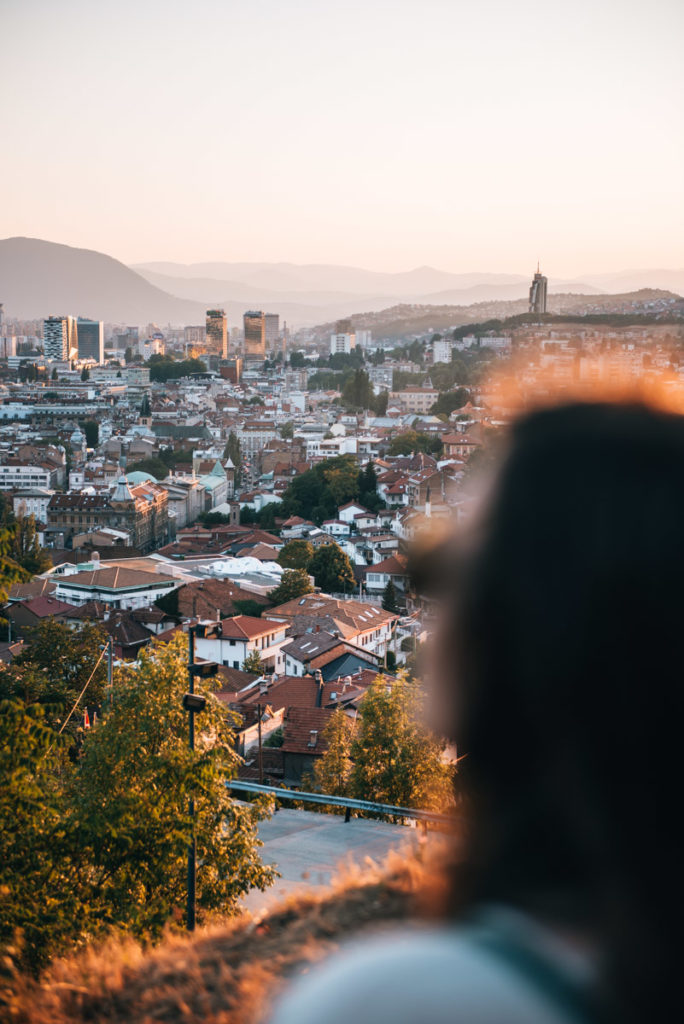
(39, 279)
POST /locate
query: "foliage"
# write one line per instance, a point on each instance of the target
(276, 738)
(450, 401)
(91, 429)
(368, 493)
(85, 374)
(332, 772)
(389, 598)
(296, 554)
(396, 759)
(233, 452)
(253, 663)
(332, 570)
(167, 368)
(412, 441)
(287, 430)
(248, 606)
(157, 467)
(293, 583)
(21, 557)
(358, 391)
(297, 360)
(99, 843)
(317, 493)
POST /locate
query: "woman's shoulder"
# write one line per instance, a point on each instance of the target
(426, 975)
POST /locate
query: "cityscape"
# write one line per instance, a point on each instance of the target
(341, 395)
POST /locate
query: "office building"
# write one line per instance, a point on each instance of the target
(217, 333)
(255, 333)
(60, 337)
(271, 330)
(91, 340)
(538, 293)
(231, 369)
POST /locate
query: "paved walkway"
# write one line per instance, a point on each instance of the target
(307, 849)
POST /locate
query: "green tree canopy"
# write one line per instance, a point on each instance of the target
(396, 759)
(296, 554)
(293, 583)
(233, 451)
(412, 441)
(389, 598)
(108, 832)
(450, 401)
(317, 493)
(253, 663)
(332, 570)
(157, 467)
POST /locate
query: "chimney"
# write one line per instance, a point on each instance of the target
(318, 676)
(317, 629)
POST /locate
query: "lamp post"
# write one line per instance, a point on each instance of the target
(194, 703)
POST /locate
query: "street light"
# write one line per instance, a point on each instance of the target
(193, 703)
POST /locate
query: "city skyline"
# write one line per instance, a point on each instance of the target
(469, 138)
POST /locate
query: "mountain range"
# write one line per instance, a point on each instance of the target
(40, 278)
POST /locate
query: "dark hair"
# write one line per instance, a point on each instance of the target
(568, 655)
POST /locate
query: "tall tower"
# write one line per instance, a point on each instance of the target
(217, 332)
(60, 337)
(538, 293)
(91, 340)
(255, 333)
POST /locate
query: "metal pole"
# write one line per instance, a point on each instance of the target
(110, 667)
(191, 807)
(261, 756)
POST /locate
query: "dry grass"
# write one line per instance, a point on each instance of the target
(227, 973)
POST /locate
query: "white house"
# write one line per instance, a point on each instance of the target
(348, 512)
(116, 587)
(230, 641)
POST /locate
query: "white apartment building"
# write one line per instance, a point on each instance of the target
(441, 351)
(60, 337)
(254, 435)
(23, 476)
(345, 343)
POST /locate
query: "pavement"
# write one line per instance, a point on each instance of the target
(309, 848)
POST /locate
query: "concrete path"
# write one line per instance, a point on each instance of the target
(308, 848)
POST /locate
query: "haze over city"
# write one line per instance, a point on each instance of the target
(386, 136)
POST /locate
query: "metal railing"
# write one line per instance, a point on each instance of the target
(339, 801)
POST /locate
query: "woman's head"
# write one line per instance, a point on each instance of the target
(566, 648)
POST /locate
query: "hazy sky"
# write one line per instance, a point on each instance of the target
(381, 133)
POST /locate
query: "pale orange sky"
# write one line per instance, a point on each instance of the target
(379, 133)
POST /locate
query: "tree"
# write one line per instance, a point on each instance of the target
(411, 441)
(108, 831)
(287, 430)
(450, 401)
(233, 452)
(297, 360)
(358, 391)
(85, 374)
(293, 583)
(389, 598)
(156, 467)
(332, 569)
(128, 355)
(396, 759)
(91, 429)
(296, 554)
(53, 375)
(253, 663)
(317, 493)
(332, 771)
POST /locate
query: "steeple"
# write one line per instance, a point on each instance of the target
(122, 491)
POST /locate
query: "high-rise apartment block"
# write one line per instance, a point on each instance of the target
(217, 332)
(255, 333)
(538, 293)
(91, 340)
(60, 337)
(344, 338)
(272, 330)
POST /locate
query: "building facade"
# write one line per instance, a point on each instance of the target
(538, 293)
(255, 333)
(217, 332)
(60, 337)
(90, 339)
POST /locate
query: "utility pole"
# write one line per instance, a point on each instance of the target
(193, 703)
(110, 669)
(192, 849)
(261, 754)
